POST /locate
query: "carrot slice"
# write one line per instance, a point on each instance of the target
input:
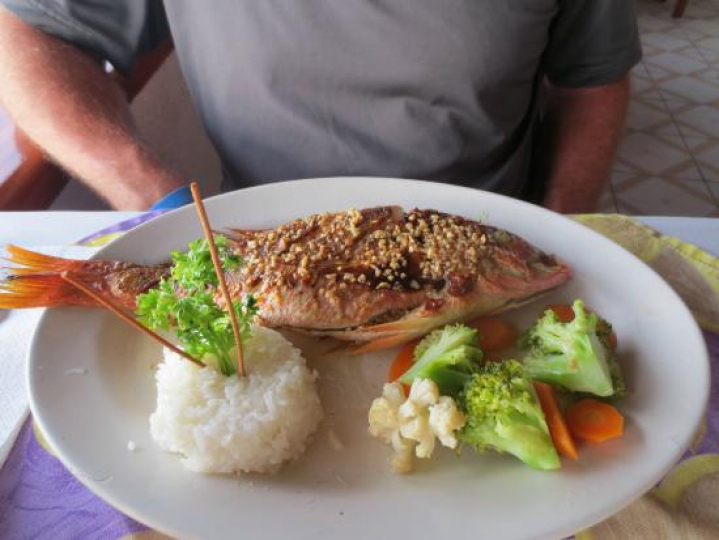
(561, 437)
(402, 362)
(594, 421)
(564, 312)
(495, 334)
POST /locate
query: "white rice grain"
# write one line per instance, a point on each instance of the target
(223, 424)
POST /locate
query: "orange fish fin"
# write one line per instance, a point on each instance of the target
(381, 343)
(31, 262)
(35, 281)
(40, 290)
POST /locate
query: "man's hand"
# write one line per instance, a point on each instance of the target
(581, 133)
(78, 115)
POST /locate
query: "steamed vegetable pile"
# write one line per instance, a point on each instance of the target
(461, 391)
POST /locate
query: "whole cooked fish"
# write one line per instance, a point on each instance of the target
(379, 276)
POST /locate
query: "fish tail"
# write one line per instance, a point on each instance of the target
(31, 262)
(33, 291)
(35, 281)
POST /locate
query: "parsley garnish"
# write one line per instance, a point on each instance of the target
(184, 303)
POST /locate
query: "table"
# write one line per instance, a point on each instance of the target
(55, 228)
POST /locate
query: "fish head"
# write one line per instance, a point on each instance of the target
(514, 270)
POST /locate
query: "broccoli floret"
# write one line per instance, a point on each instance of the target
(448, 356)
(604, 333)
(615, 372)
(570, 354)
(503, 413)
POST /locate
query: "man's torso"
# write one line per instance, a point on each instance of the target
(439, 90)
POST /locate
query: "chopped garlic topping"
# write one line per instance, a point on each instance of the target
(410, 426)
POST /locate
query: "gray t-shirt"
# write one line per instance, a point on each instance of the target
(444, 90)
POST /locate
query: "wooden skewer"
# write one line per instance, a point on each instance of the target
(220, 274)
(117, 310)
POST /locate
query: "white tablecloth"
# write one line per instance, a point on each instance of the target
(32, 229)
(49, 233)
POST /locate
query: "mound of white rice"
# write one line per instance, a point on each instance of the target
(237, 424)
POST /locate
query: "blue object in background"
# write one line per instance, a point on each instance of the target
(174, 199)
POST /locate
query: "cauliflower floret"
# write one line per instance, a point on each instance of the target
(384, 424)
(445, 419)
(411, 425)
(383, 421)
(414, 425)
(424, 392)
(414, 416)
(402, 459)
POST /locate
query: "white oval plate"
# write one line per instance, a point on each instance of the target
(350, 492)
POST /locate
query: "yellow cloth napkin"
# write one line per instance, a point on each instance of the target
(693, 273)
(686, 503)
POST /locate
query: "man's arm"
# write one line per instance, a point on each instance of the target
(78, 115)
(581, 132)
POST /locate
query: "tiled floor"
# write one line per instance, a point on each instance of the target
(668, 161)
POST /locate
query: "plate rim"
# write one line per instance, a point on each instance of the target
(572, 525)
